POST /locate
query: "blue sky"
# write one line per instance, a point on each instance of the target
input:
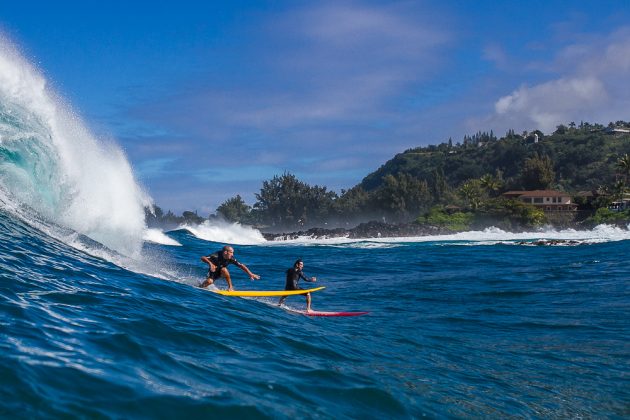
(209, 100)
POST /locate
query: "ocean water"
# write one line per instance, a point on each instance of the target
(456, 329)
(102, 318)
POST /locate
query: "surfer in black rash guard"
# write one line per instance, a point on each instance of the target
(218, 263)
(294, 274)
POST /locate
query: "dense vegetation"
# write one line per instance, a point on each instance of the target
(458, 185)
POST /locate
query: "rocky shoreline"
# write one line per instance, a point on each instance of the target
(376, 229)
(363, 231)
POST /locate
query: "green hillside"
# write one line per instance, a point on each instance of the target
(459, 186)
(582, 158)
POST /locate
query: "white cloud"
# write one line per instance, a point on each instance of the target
(592, 84)
(548, 104)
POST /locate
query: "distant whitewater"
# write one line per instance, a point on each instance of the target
(224, 232)
(54, 171)
(601, 233)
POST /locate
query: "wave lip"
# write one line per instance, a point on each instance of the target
(52, 164)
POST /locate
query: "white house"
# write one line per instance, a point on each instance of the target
(548, 200)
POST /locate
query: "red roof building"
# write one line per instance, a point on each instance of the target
(548, 200)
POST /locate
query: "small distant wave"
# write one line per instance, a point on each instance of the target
(226, 233)
(345, 242)
(158, 237)
(489, 236)
(565, 237)
(371, 245)
(340, 242)
(601, 233)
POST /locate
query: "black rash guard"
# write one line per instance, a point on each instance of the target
(220, 261)
(293, 277)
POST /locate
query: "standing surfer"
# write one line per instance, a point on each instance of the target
(294, 274)
(218, 263)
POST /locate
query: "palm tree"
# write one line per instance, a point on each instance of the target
(471, 192)
(618, 189)
(624, 164)
(490, 183)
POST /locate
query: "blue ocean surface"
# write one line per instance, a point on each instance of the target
(457, 328)
(101, 317)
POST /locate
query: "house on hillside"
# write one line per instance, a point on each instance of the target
(620, 205)
(548, 200)
(618, 131)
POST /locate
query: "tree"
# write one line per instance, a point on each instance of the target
(153, 215)
(235, 210)
(319, 204)
(624, 165)
(456, 221)
(514, 211)
(561, 129)
(280, 199)
(490, 183)
(353, 203)
(402, 196)
(537, 172)
(285, 201)
(439, 187)
(192, 218)
(471, 192)
(618, 190)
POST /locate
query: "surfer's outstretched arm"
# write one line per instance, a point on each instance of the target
(311, 279)
(251, 275)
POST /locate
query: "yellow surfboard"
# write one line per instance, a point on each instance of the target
(261, 293)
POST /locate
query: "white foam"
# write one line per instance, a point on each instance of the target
(226, 233)
(156, 236)
(58, 168)
(601, 233)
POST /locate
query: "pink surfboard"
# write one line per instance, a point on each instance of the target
(328, 313)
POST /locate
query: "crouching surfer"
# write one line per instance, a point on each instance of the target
(294, 274)
(218, 263)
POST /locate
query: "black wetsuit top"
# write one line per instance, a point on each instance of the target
(220, 261)
(293, 277)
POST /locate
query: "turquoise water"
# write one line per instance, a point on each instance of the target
(457, 328)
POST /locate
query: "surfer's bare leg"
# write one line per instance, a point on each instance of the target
(207, 283)
(226, 274)
(308, 303)
(209, 279)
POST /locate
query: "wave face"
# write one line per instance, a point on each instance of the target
(474, 331)
(53, 166)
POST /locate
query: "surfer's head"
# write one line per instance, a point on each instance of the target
(298, 263)
(228, 251)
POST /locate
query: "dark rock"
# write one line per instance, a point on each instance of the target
(367, 230)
